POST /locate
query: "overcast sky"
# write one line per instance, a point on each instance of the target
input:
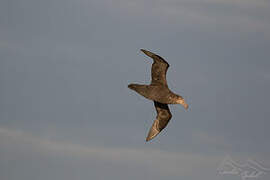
(66, 112)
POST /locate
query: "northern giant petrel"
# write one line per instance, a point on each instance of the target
(159, 92)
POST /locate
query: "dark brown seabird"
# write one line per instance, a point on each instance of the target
(159, 92)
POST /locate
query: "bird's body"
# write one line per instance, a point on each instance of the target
(159, 92)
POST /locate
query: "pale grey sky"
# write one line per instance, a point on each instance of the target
(66, 112)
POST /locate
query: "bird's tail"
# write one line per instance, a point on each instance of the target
(133, 86)
(139, 88)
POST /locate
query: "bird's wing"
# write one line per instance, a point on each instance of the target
(163, 117)
(159, 69)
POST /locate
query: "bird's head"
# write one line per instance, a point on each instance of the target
(180, 100)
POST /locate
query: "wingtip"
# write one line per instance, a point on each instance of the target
(148, 53)
(151, 136)
(153, 132)
(143, 50)
(148, 139)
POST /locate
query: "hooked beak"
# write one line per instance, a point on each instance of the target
(183, 103)
(148, 53)
(186, 106)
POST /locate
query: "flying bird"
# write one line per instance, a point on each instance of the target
(159, 92)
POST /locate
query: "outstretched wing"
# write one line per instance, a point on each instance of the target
(163, 117)
(159, 69)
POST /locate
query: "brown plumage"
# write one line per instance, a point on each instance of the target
(159, 92)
